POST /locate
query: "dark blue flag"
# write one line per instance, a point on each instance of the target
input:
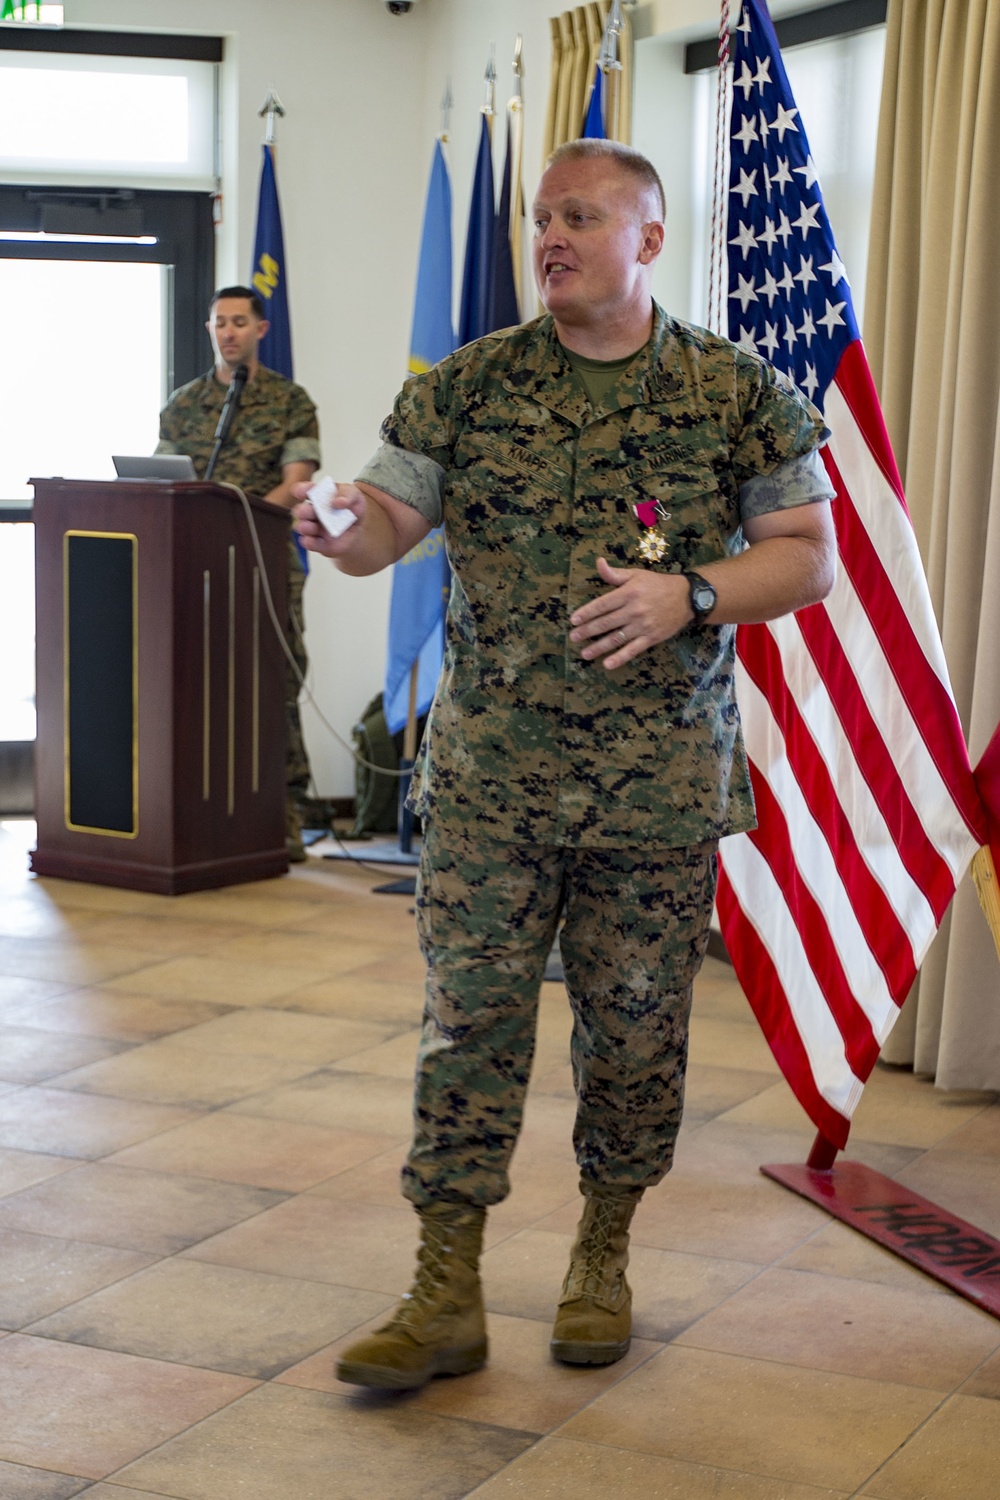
(593, 125)
(268, 274)
(505, 312)
(476, 315)
(267, 277)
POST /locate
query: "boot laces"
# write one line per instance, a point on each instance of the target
(431, 1274)
(589, 1271)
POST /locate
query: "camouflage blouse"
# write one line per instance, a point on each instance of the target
(276, 424)
(527, 742)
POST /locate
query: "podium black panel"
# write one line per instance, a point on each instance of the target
(100, 602)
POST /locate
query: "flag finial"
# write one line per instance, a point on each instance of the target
(490, 79)
(518, 68)
(446, 106)
(272, 106)
(608, 60)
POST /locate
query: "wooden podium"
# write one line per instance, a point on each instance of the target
(160, 751)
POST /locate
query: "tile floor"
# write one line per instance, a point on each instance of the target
(203, 1106)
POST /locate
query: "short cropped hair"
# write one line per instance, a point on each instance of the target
(246, 292)
(627, 158)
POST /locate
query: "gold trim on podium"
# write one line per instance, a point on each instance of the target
(255, 689)
(206, 685)
(231, 694)
(111, 833)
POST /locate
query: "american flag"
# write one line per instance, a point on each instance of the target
(868, 811)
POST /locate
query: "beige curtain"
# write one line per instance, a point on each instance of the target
(932, 331)
(576, 45)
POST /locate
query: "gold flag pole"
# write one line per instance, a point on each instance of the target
(515, 229)
(984, 878)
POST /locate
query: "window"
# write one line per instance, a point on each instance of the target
(87, 377)
(115, 116)
(107, 264)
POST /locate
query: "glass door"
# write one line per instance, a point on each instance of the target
(83, 376)
(84, 368)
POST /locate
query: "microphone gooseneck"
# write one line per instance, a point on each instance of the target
(228, 414)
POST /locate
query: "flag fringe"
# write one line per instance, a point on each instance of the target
(984, 878)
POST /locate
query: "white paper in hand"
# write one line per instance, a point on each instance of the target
(332, 517)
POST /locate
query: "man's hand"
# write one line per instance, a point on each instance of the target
(385, 529)
(315, 537)
(642, 609)
(789, 562)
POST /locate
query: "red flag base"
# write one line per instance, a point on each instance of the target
(945, 1247)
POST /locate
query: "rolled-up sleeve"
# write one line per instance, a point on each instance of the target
(301, 444)
(412, 478)
(301, 450)
(799, 481)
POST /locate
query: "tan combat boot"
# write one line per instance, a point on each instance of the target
(594, 1321)
(439, 1328)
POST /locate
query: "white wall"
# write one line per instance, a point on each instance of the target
(361, 89)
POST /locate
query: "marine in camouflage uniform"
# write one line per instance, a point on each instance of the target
(545, 782)
(583, 754)
(275, 425)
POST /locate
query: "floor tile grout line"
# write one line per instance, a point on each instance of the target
(692, 1462)
(902, 1446)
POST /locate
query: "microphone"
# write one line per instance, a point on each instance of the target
(228, 414)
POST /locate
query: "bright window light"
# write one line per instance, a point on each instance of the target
(42, 237)
(116, 115)
(17, 627)
(82, 373)
(32, 13)
(78, 116)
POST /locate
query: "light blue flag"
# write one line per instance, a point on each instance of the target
(421, 580)
(593, 125)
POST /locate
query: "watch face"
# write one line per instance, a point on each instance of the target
(702, 598)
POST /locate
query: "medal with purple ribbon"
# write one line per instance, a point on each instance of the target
(652, 545)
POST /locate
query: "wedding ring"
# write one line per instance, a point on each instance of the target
(621, 636)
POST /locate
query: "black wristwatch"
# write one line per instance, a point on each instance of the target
(703, 596)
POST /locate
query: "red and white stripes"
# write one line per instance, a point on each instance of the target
(868, 814)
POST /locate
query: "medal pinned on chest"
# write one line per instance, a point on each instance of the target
(652, 545)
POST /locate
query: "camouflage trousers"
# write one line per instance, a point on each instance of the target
(635, 929)
(298, 759)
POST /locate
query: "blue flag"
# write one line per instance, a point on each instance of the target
(433, 335)
(593, 125)
(268, 274)
(421, 580)
(476, 315)
(267, 277)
